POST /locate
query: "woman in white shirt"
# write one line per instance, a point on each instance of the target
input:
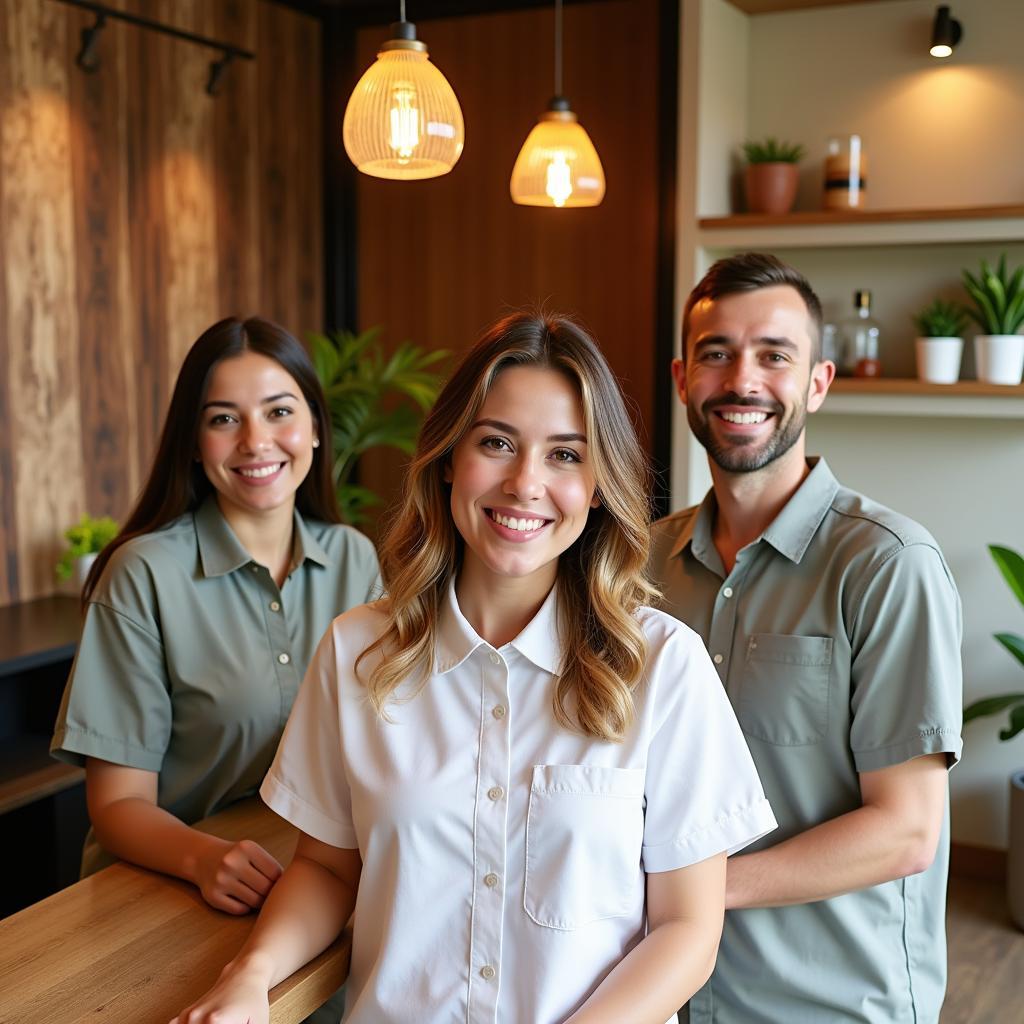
(522, 780)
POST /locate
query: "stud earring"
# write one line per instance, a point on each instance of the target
(316, 442)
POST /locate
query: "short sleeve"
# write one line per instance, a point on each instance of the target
(703, 795)
(117, 704)
(306, 784)
(906, 686)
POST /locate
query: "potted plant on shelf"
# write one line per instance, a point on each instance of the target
(999, 311)
(1011, 565)
(771, 176)
(86, 539)
(374, 401)
(940, 343)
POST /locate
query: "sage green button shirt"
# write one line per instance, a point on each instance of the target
(837, 638)
(191, 656)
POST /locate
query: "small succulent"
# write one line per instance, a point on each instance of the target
(772, 151)
(998, 298)
(941, 320)
(87, 537)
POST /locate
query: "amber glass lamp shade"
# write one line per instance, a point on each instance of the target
(403, 119)
(558, 165)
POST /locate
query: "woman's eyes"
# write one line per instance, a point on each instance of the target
(279, 412)
(495, 444)
(565, 455)
(222, 419)
(500, 444)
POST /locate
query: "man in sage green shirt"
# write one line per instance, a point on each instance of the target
(835, 627)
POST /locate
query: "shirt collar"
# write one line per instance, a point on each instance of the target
(457, 640)
(221, 552)
(791, 530)
(789, 533)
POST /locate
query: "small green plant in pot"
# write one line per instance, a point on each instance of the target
(940, 343)
(86, 539)
(374, 400)
(998, 309)
(1011, 565)
(771, 175)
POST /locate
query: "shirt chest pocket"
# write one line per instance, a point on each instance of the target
(584, 834)
(785, 690)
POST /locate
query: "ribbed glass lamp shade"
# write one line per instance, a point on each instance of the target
(403, 119)
(558, 165)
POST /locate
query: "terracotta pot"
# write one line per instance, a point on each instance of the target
(771, 188)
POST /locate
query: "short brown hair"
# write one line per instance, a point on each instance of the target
(749, 272)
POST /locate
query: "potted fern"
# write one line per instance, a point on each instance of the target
(998, 298)
(771, 175)
(1011, 565)
(374, 400)
(940, 343)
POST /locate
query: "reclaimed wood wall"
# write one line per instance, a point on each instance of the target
(441, 259)
(135, 210)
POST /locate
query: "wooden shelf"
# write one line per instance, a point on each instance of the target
(896, 397)
(41, 632)
(825, 229)
(28, 773)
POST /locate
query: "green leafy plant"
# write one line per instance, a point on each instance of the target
(374, 400)
(772, 151)
(998, 298)
(941, 320)
(88, 537)
(1011, 565)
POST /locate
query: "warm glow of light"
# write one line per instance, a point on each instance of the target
(559, 180)
(941, 50)
(403, 119)
(558, 165)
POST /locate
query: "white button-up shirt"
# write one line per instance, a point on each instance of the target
(504, 855)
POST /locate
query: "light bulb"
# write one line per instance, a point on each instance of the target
(405, 121)
(941, 50)
(558, 183)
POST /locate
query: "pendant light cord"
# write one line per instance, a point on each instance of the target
(558, 47)
(401, 9)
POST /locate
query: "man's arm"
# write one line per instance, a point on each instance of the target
(893, 834)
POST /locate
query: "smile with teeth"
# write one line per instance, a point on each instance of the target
(513, 523)
(262, 471)
(744, 417)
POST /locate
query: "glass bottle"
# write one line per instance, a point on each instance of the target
(860, 351)
(845, 174)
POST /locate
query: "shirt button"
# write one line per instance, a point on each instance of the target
(727, 592)
(275, 606)
(718, 659)
(283, 658)
(487, 972)
(495, 659)
(490, 880)
(498, 711)
(254, 568)
(495, 792)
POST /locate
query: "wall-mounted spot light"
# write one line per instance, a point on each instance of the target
(946, 33)
(217, 69)
(88, 59)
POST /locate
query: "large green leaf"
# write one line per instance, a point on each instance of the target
(992, 706)
(1011, 565)
(1014, 644)
(1016, 723)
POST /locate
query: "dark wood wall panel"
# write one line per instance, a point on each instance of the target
(440, 259)
(134, 211)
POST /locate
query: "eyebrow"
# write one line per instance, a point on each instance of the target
(721, 339)
(507, 428)
(264, 401)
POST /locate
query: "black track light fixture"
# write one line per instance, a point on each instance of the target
(946, 33)
(88, 59)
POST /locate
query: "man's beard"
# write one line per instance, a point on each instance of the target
(747, 456)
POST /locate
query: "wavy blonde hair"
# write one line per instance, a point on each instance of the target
(602, 576)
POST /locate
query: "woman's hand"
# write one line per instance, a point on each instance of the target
(239, 997)
(235, 877)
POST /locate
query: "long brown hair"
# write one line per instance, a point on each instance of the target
(602, 577)
(177, 483)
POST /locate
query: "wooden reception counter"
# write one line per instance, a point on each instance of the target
(128, 946)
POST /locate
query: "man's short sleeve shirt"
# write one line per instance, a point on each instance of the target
(837, 638)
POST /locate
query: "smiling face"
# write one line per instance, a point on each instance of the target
(522, 484)
(747, 381)
(255, 436)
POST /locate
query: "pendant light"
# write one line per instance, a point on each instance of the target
(558, 165)
(403, 119)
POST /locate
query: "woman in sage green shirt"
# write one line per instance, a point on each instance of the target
(202, 615)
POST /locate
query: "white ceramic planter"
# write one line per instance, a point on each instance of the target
(999, 358)
(82, 566)
(938, 359)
